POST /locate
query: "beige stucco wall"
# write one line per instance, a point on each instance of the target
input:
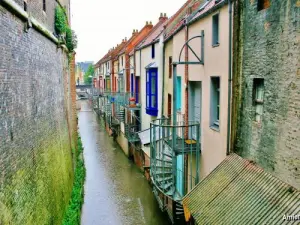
(137, 63)
(168, 86)
(178, 42)
(213, 143)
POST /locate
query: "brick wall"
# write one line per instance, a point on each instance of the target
(269, 47)
(36, 173)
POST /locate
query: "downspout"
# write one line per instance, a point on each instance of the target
(163, 83)
(140, 63)
(229, 77)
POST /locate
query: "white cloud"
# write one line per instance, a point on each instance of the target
(101, 24)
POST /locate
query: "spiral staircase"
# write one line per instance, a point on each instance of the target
(164, 169)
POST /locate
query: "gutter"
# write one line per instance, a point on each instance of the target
(163, 83)
(229, 77)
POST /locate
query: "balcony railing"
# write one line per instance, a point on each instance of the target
(131, 132)
(169, 144)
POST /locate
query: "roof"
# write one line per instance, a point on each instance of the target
(205, 8)
(151, 65)
(239, 192)
(175, 20)
(154, 34)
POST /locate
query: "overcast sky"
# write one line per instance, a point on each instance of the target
(102, 24)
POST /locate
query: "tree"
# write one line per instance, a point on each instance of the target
(88, 76)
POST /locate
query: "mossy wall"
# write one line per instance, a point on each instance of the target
(267, 48)
(36, 131)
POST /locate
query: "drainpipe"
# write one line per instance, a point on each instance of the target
(163, 83)
(229, 77)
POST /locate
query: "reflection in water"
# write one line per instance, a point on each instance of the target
(116, 192)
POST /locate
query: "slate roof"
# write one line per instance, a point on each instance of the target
(205, 8)
(176, 20)
(154, 34)
(198, 9)
(239, 192)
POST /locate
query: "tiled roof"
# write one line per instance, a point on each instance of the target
(239, 192)
(154, 34)
(205, 8)
(175, 20)
(198, 8)
(131, 53)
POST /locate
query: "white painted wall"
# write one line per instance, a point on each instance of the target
(146, 60)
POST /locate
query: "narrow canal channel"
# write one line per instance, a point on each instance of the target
(116, 192)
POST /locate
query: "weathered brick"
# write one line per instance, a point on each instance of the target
(268, 48)
(36, 126)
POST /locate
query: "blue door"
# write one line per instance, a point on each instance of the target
(131, 84)
(180, 175)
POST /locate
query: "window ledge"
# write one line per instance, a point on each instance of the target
(152, 111)
(216, 45)
(215, 128)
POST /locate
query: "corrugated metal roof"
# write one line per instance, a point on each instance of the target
(239, 192)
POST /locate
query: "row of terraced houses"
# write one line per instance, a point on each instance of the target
(207, 103)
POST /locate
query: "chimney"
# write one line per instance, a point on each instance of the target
(163, 16)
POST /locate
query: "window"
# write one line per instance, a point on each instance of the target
(215, 30)
(25, 6)
(122, 60)
(151, 92)
(170, 67)
(258, 98)
(263, 4)
(153, 51)
(215, 102)
(44, 5)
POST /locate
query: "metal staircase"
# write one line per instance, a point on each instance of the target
(170, 173)
(120, 113)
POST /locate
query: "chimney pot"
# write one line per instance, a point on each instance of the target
(165, 15)
(161, 14)
(146, 22)
(150, 22)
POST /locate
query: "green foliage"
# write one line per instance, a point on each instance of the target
(71, 39)
(62, 28)
(73, 213)
(60, 21)
(89, 74)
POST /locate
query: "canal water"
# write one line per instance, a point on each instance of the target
(116, 192)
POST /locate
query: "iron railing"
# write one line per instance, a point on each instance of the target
(170, 145)
(131, 132)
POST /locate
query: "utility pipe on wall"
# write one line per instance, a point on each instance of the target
(229, 77)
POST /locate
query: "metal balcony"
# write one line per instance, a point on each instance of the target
(131, 133)
(175, 154)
